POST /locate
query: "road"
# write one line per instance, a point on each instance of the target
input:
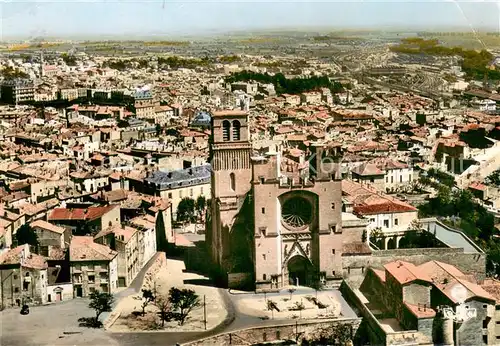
(57, 324)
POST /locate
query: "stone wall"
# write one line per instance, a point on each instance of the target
(290, 331)
(153, 271)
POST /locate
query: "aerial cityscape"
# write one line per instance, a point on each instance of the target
(250, 173)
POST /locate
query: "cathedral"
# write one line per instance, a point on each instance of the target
(269, 225)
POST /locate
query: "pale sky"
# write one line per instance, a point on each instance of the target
(35, 18)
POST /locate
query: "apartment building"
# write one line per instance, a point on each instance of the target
(129, 244)
(23, 277)
(93, 267)
(17, 91)
(176, 185)
(92, 219)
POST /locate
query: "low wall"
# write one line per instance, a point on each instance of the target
(376, 334)
(65, 289)
(290, 331)
(152, 272)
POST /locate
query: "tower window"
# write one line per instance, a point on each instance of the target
(226, 128)
(263, 210)
(236, 130)
(232, 181)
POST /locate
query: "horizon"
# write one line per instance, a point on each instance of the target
(167, 19)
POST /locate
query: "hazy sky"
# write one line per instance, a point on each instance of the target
(123, 17)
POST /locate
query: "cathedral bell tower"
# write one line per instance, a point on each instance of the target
(230, 152)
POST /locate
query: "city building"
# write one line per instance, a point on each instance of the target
(94, 267)
(175, 185)
(23, 277)
(17, 91)
(433, 302)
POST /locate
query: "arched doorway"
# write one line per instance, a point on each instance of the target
(299, 271)
(391, 244)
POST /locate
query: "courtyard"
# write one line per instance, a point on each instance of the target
(54, 324)
(173, 275)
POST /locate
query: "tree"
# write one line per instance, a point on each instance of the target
(164, 306)
(148, 296)
(26, 235)
(184, 301)
(291, 290)
(100, 302)
(201, 203)
(185, 210)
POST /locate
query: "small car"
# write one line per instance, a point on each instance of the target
(25, 309)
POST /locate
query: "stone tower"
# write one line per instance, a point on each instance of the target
(230, 152)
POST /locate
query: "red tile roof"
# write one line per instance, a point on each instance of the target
(91, 213)
(14, 256)
(83, 248)
(405, 272)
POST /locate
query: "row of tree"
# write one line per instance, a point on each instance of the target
(190, 210)
(283, 85)
(459, 208)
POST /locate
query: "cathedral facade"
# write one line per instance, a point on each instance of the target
(274, 225)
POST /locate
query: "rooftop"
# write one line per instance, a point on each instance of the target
(179, 178)
(83, 248)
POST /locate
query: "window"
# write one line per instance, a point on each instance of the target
(15, 277)
(236, 130)
(333, 251)
(386, 223)
(264, 277)
(232, 181)
(191, 192)
(263, 210)
(201, 190)
(91, 278)
(170, 195)
(16, 289)
(264, 256)
(372, 180)
(396, 222)
(226, 128)
(333, 272)
(333, 206)
(386, 179)
(180, 193)
(400, 178)
(262, 180)
(262, 231)
(372, 219)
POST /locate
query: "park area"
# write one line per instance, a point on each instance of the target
(292, 303)
(200, 300)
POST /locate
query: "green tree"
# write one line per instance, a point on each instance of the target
(147, 297)
(184, 301)
(100, 302)
(186, 210)
(26, 235)
(201, 203)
